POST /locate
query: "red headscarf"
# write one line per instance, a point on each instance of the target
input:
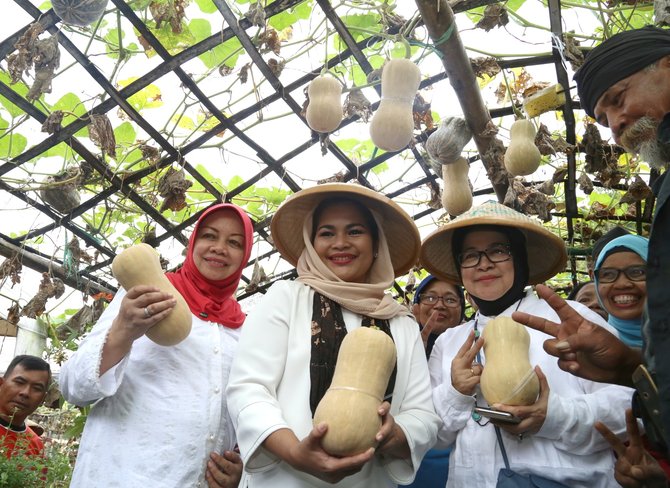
(211, 299)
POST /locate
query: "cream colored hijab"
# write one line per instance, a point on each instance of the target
(368, 298)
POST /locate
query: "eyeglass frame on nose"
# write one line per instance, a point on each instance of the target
(438, 298)
(496, 247)
(625, 271)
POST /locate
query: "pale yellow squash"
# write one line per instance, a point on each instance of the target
(140, 265)
(508, 376)
(457, 195)
(324, 112)
(522, 157)
(365, 362)
(392, 125)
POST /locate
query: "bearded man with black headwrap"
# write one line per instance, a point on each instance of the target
(624, 84)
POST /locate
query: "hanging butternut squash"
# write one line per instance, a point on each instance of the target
(522, 157)
(324, 112)
(392, 125)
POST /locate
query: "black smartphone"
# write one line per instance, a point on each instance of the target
(498, 415)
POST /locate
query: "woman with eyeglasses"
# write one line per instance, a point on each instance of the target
(621, 283)
(495, 253)
(437, 306)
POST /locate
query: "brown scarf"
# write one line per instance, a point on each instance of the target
(328, 331)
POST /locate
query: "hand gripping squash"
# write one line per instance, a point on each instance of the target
(364, 365)
(324, 112)
(140, 265)
(508, 377)
(392, 125)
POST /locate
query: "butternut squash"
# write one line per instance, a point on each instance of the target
(457, 194)
(349, 407)
(508, 377)
(392, 125)
(140, 265)
(522, 156)
(324, 111)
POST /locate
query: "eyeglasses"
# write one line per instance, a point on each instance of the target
(495, 254)
(637, 272)
(431, 300)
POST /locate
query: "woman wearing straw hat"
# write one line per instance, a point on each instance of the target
(348, 243)
(495, 252)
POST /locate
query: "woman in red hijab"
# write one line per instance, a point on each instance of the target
(159, 416)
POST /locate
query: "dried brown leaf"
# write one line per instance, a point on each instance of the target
(256, 14)
(276, 66)
(585, 183)
(13, 314)
(485, 66)
(422, 113)
(172, 187)
(269, 40)
(357, 104)
(244, 73)
(48, 289)
(53, 122)
(495, 15)
(638, 190)
(11, 267)
(102, 134)
(571, 50)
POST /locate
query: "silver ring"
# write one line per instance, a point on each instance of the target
(147, 314)
(520, 436)
(472, 370)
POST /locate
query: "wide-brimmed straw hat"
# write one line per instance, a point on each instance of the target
(546, 251)
(401, 233)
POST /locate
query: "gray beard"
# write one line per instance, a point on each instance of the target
(655, 153)
(641, 138)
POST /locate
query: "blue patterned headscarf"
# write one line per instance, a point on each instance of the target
(630, 331)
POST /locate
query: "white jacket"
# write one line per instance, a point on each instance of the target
(157, 414)
(567, 448)
(270, 383)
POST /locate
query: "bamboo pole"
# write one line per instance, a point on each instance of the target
(438, 17)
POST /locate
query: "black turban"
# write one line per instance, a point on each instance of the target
(617, 58)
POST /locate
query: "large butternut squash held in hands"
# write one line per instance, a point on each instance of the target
(364, 365)
(508, 376)
(140, 265)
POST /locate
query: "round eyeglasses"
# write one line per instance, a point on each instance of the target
(431, 300)
(495, 254)
(636, 272)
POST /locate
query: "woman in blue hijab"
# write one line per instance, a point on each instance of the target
(621, 283)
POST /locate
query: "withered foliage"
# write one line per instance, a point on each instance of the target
(61, 191)
(171, 12)
(268, 41)
(13, 314)
(422, 113)
(585, 183)
(149, 152)
(571, 51)
(336, 178)
(638, 190)
(172, 187)
(258, 276)
(42, 54)
(256, 14)
(85, 316)
(48, 289)
(356, 103)
(276, 66)
(435, 198)
(101, 133)
(244, 73)
(53, 123)
(600, 211)
(11, 267)
(550, 146)
(485, 66)
(78, 254)
(495, 15)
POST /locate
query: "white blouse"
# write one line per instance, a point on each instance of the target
(566, 448)
(270, 384)
(158, 414)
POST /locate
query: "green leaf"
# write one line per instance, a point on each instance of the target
(125, 134)
(19, 88)
(206, 6)
(200, 28)
(148, 97)
(514, 5)
(73, 109)
(226, 53)
(11, 144)
(61, 150)
(290, 16)
(183, 121)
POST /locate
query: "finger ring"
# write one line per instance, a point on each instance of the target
(472, 370)
(520, 436)
(147, 314)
